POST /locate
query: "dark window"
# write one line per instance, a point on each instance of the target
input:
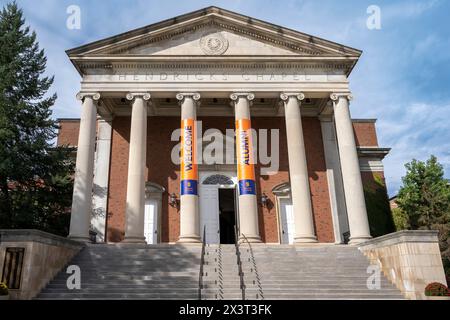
(12, 268)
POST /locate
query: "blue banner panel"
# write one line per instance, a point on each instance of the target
(189, 187)
(247, 187)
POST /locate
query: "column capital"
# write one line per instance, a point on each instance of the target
(236, 95)
(132, 95)
(94, 95)
(183, 95)
(285, 95)
(336, 95)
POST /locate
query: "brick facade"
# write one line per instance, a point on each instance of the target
(68, 132)
(166, 173)
(365, 133)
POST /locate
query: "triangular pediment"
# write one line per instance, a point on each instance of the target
(214, 32)
(209, 40)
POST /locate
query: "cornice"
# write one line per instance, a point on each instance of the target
(210, 66)
(375, 152)
(221, 16)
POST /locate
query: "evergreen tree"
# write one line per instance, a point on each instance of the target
(425, 199)
(35, 178)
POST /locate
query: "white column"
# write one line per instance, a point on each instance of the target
(101, 177)
(334, 177)
(248, 210)
(298, 170)
(189, 213)
(134, 224)
(351, 174)
(82, 189)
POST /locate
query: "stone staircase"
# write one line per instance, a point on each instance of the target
(126, 271)
(131, 271)
(311, 272)
(221, 280)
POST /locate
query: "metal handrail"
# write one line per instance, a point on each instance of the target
(239, 262)
(202, 262)
(258, 279)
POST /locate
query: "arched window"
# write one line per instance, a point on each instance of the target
(218, 179)
(283, 189)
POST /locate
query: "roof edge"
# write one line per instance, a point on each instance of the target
(204, 12)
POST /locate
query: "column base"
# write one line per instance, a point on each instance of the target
(140, 240)
(358, 240)
(305, 239)
(79, 238)
(251, 239)
(189, 239)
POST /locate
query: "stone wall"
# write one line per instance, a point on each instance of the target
(45, 255)
(409, 259)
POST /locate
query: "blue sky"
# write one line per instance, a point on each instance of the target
(402, 78)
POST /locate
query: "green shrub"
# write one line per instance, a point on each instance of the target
(401, 220)
(3, 289)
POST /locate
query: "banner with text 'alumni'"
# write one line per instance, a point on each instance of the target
(244, 152)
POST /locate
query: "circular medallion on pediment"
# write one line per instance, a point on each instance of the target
(213, 44)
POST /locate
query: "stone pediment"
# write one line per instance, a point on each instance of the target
(209, 40)
(214, 32)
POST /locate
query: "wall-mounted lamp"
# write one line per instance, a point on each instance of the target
(173, 201)
(264, 200)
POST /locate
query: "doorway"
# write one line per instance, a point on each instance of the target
(287, 221)
(151, 221)
(218, 207)
(227, 215)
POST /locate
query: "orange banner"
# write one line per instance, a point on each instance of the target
(244, 153)
(188, 163)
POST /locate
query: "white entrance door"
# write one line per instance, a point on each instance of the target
(209, 213)
(287, 221)
(151, 221)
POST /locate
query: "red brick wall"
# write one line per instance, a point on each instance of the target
(365, 134)
(68, 132)
(166, 174)
(317, 180)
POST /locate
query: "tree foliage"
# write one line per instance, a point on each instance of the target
(401, 220)
(35, 177)
(425, 199)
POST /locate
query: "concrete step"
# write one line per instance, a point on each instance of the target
(171, 272)
(68, 296)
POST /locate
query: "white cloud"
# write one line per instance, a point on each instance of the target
(416, 131)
